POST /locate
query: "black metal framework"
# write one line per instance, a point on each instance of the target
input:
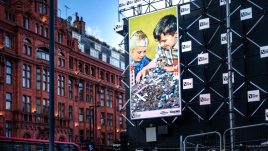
(249, 69)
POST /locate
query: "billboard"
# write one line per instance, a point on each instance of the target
(155, 89)
(124, 4)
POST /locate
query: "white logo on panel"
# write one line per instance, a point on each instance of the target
(185, 9)
(202, 58)
(266, 114)
(225, 78)
(223, 2)
(204, 99)
(264, 51)
(253, 95)
(246, 13)
(203, 23)
(224, 38)
(187, 83)
(118, 26)
(186, 46)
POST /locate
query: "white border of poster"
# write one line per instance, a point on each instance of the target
(145, 99)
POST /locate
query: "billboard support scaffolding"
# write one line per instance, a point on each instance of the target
(230, 75)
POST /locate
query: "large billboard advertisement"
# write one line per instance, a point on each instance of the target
(155, 89)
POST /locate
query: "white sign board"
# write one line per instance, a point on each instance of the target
(123, 4)
(204, 23)
(266, 114)
(150, 134)
(118, 26)
(246, 13)
(223, 2)
(225, 78)
(204, 99)
(202, 58)
(185, 9)
(186, 46)
(224, 38)
(253, 95)
(264, 51)
(187, 83)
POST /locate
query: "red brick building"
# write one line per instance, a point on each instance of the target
(89, 94)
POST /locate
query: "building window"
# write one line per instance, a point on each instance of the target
(87, 91)
(60, 37)
(87, 115)
(71, 63)
(120, 102)
(46, 32)
(70, 89)
(112, 79)
(8, 72)
(102, 97)
(70, 112)
(122, 65)
(102, 138)
(80, 67)
(27, 49)
(81, 90)
(86, 69)
(38, 106)
(36, 28)
(26, 104)
(41, 30)
(107, 77)
(61, 85)
(81, 135)
(102, 118)
(38, 78)
(45, 106)
(110, 137)
(91, 93)
(70, 135)
(81, 115)
(42, 54)
(9, 16)
(8, 101)
(94, 53)
(104, 57)
(61, 110)
(45, 80)
(121, 121)
(26, 76)
(115, 62)
(61, 60)
(38, 110)
(109, 98)
(8, 41)
(91, 114)
(92, 71)
(8, 128)
(110, 119)
(101, 75)
(43, 7)
(26, 22)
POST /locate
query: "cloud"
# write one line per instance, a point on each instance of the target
(94, 31)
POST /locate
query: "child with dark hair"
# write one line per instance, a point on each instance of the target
(165, 32)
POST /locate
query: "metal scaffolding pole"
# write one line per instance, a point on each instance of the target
(230, 76)
(51, 77)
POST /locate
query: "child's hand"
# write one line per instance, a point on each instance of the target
(141, 75)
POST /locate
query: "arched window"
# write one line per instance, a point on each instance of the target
(42, 53)
(61, 60)
(8, 72)
(27, 49)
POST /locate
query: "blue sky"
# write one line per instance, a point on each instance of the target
(100, 17)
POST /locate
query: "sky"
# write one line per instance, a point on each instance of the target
(100, 17)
